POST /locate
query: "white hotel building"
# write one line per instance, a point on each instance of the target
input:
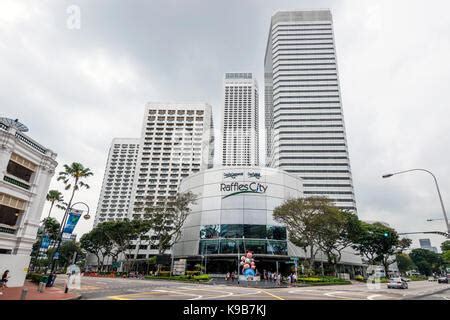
(240, 140)
(114, 201)
(176, 141)
(26, 168)
(304, 116)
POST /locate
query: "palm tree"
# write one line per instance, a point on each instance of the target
(72, 177)
(54, 196)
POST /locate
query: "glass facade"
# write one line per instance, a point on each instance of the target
(237, 238)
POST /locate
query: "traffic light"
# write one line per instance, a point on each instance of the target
(386, 234)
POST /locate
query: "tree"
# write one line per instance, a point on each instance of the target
(50, 226)
(405, 263)
(336, 230)
(427, 261)
(141, 228)
(67, 251)
(379, 244)
(446, 257)
(166, 222)
(122, 234)
(73, 177)
(445, 246)
(302, 219)
(54, 196)
(97, 243)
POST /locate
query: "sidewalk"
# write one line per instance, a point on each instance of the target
(52, 293)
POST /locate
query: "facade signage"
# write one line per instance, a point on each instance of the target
(238, 188)
(256, 175)
(232, 175)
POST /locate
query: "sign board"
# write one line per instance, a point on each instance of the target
(72, 221)
(244, 278)
(179, 267)
(45, 243)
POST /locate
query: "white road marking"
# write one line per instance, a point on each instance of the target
(373, 296)
(197, 296)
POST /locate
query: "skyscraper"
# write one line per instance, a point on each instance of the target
(240, 141)
(176, 141)
(304, 117)
(118, 180)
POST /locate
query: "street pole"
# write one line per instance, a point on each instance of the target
(437, 188)
(62, 227)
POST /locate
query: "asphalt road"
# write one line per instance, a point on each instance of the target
(93, 288)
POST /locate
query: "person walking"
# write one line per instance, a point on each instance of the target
(233, 275)
(227, 277)
(4, 280)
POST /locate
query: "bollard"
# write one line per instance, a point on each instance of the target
(23, 295)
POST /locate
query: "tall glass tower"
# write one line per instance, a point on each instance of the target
(304, 118)
(240, 141)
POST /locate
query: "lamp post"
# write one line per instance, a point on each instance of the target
(437, 188)
(61, 231)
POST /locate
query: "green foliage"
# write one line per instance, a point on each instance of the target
(418, 278)
(199, 278)
(166, 221)
(404, 263)
(446, 256)
(324, 280)
(300, 216)
(445, 246)
(426, 261)
(360, 278)
(67, 251)
(73, 175)
(193, 273)
(34, 277)
(373, 244)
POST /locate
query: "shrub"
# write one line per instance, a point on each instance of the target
(202, 277)
(164, 273)
(359, 278)
(193, 273)
(35, 277)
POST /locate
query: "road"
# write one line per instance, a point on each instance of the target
(93, 288)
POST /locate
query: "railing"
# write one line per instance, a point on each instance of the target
(7, 230)
(30, 142)
(16, 182)
(3, 126)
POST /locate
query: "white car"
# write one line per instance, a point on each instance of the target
(397, 283)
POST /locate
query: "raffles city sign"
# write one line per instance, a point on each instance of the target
(238, 188)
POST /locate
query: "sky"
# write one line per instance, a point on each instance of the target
(78, 88)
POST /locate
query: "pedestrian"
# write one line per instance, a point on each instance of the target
(5, 278)
(233, 275)
(227, 277)
(279, 279)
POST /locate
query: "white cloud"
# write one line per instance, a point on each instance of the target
(77, 89)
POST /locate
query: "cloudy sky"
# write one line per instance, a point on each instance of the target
(76, 89)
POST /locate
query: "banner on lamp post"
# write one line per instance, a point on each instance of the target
(45, 243)
(72, 221)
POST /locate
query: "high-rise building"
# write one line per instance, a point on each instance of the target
(118, 180)
(26, 169)
(304, 117)
(240, 141)
(426, 244)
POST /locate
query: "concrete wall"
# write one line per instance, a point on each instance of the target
(17, 264)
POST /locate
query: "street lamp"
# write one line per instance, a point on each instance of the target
(437, 188)
(61, 230)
